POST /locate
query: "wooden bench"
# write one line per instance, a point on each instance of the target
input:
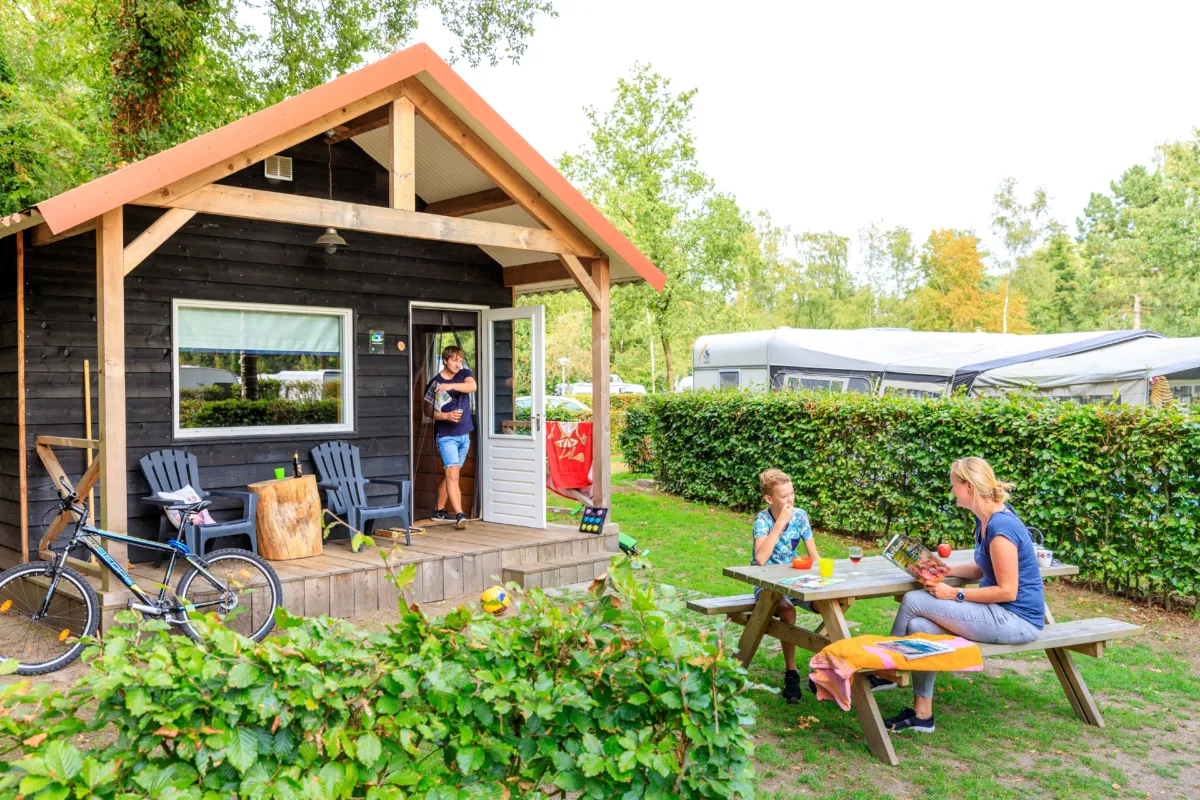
(1086, 636)
(738, 607)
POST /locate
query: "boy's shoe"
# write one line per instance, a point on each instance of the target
(439, 514)
(880, 684)
(791, 686)
(908, 720)
(460, 522)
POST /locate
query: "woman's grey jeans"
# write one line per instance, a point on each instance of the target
(921, 612)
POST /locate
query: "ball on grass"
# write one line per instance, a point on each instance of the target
(495, 600)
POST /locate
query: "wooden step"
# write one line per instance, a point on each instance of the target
(556, 572)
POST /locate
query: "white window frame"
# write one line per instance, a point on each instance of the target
(736, 372)
(839, 380)
(347, 368)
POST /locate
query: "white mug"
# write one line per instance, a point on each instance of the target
(1045, 557)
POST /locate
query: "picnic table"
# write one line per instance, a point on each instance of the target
(878, 577)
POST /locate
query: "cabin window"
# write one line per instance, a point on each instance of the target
(249, 369)
(729, 379)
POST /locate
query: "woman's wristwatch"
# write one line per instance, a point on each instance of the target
(960, 596)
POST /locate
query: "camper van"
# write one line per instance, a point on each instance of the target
(915, 363)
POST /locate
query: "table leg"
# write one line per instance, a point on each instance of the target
(1077, 691)
(756, 626)
(860, 692)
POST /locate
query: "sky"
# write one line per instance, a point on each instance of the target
(834, 115)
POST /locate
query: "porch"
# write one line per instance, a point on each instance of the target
(450, 563)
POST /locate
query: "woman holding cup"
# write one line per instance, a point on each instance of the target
(1008, 606)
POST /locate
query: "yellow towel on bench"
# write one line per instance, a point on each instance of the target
(833, 668)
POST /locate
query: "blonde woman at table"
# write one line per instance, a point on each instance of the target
(1008, 606)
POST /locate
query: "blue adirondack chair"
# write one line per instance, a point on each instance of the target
(340, 471)
(170, 471)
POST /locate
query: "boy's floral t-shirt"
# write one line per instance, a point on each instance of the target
(797, 531)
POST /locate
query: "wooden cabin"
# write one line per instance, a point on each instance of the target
(194, 286)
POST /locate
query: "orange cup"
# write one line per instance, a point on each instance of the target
(802, 563)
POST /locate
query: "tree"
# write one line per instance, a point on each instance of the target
(1018, 225)
(953, 296)
(639, 168)
(138, 76)
(1056, 281)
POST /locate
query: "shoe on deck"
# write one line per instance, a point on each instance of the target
(460, 522)
(880, 684)
(907, 720)
(791, 686)
(439, 514)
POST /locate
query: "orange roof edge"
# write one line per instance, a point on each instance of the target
(107, 192)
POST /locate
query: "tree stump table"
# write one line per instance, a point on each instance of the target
(289, 518)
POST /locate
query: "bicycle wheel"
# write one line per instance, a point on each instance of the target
(248, 600)
(48, 643)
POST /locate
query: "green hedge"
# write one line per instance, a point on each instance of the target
(1115, 489)
(617, 696)
(242, 413)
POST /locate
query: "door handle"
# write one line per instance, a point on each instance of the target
(538, 417)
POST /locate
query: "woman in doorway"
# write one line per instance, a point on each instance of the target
(1008, 606)
(449, 395)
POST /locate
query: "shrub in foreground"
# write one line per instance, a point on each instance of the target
(612, 697)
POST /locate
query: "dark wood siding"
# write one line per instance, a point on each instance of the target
(10, 508)
(222, 258)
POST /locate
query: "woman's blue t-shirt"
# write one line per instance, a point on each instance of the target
(1030, 603)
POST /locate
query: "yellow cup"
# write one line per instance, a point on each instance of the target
(826, 567)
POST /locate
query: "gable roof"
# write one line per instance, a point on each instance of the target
(419, 62)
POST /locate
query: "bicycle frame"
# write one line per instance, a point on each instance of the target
(89, 537)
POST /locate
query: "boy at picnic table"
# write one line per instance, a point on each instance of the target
(778, 530)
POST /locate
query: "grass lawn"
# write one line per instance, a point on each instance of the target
(1007, 732)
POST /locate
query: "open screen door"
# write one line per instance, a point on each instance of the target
(513, 437)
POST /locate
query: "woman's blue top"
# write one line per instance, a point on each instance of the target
(1030, 604)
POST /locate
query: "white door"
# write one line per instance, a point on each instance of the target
(512, 438)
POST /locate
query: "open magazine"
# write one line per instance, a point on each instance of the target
(914, 558)
(916, 648)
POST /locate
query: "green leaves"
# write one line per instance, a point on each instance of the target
(601, 698)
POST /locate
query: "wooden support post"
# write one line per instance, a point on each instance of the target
(110, 324)
(757, 625)
(1076, 690)
(861, 697)
(22, 447)
(87, 434)
(402, 179)
(601, 432)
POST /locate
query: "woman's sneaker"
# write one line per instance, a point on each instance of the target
(908, 720)
(791, 686)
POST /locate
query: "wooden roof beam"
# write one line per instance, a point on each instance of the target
(468, 204)
(232, 201)
(479, 153)
(540, 272)
(159, 231)
(42, 235)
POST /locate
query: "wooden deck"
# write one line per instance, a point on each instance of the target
(450, 563)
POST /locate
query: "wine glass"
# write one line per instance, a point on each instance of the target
(855, 554)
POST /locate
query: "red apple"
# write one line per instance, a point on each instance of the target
(944, 550)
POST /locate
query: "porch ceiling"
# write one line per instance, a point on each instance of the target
(443, 173)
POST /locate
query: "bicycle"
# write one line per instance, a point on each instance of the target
(43, 626)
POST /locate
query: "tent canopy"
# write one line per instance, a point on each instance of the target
(895, 353)
(1133, 360)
